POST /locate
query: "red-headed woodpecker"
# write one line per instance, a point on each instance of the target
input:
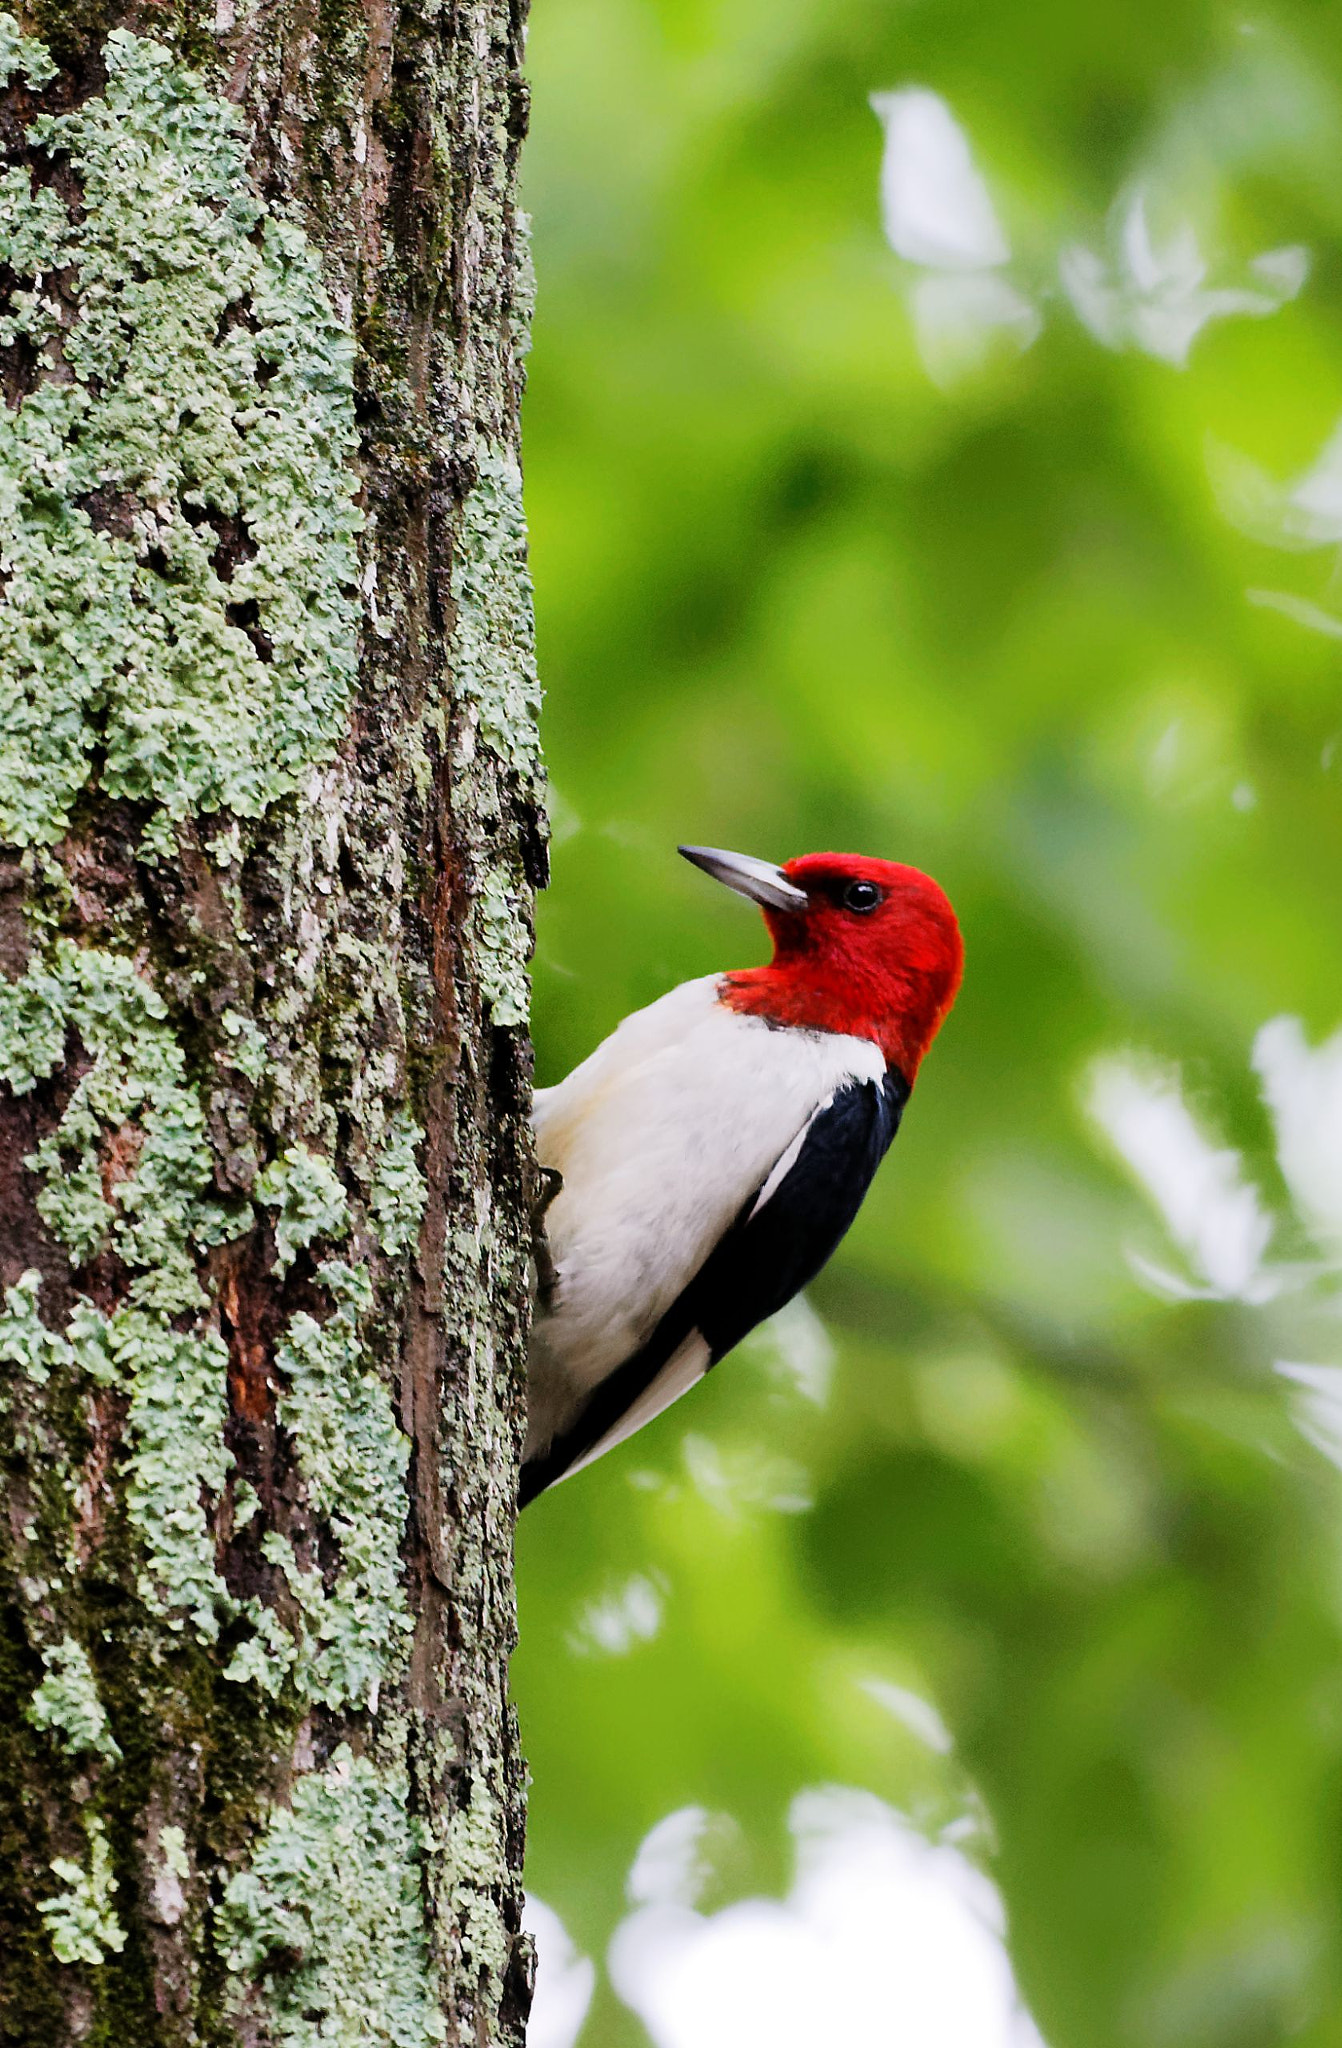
(711, 1153)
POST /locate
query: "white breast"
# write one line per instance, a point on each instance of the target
(661, 1136)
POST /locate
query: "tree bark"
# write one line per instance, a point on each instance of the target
(270, 793)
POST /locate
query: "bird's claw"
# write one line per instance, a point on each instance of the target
(549, 1182)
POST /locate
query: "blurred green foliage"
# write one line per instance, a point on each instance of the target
(1060, 623)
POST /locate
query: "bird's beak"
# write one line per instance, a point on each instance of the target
(760, 880)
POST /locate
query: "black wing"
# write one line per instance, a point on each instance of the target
(775, 1247)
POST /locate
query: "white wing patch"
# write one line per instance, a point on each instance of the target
(661, 1137)
(788, 1160)
(682, 1370)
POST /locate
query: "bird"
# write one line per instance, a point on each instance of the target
(703, 1163)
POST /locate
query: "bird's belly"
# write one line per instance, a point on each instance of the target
(625, 1244)
(657, 1161)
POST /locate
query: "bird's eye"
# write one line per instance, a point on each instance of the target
(861, 896)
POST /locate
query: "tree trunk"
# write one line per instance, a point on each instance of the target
(270, 793)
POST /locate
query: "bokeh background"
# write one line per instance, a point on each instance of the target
(933, 450)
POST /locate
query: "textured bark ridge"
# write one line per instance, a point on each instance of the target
(270, 812)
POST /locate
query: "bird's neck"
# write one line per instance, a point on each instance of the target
(898, 1012)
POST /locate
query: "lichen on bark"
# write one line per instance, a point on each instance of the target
(66, 1703)
(133, 1111)
(177, 516)
(81, 1920)
(335, 1883)
(270, 783)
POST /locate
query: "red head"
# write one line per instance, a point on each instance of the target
(863, 946)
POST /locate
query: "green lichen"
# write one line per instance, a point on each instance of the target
(326, 1929)
(246, 1504)
(225, 849)
(310, 1200)
(32, 1027)
(172, 1867)
(135, 1093)
(172, 1848)
(81, 1920)
(177, 1458)
(247, 1048)
(471, 1842)
(67, 1703)
(503, 944)
(353, 1460)
(523, 309)
(25, 1340)
(176, 1454)
(158, 841)
(177, 526)
(136, 1107)
(21, 53)
(493, 641)
(272, 1655)
(133, 1112)
(396, 1198)
(494, 665)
